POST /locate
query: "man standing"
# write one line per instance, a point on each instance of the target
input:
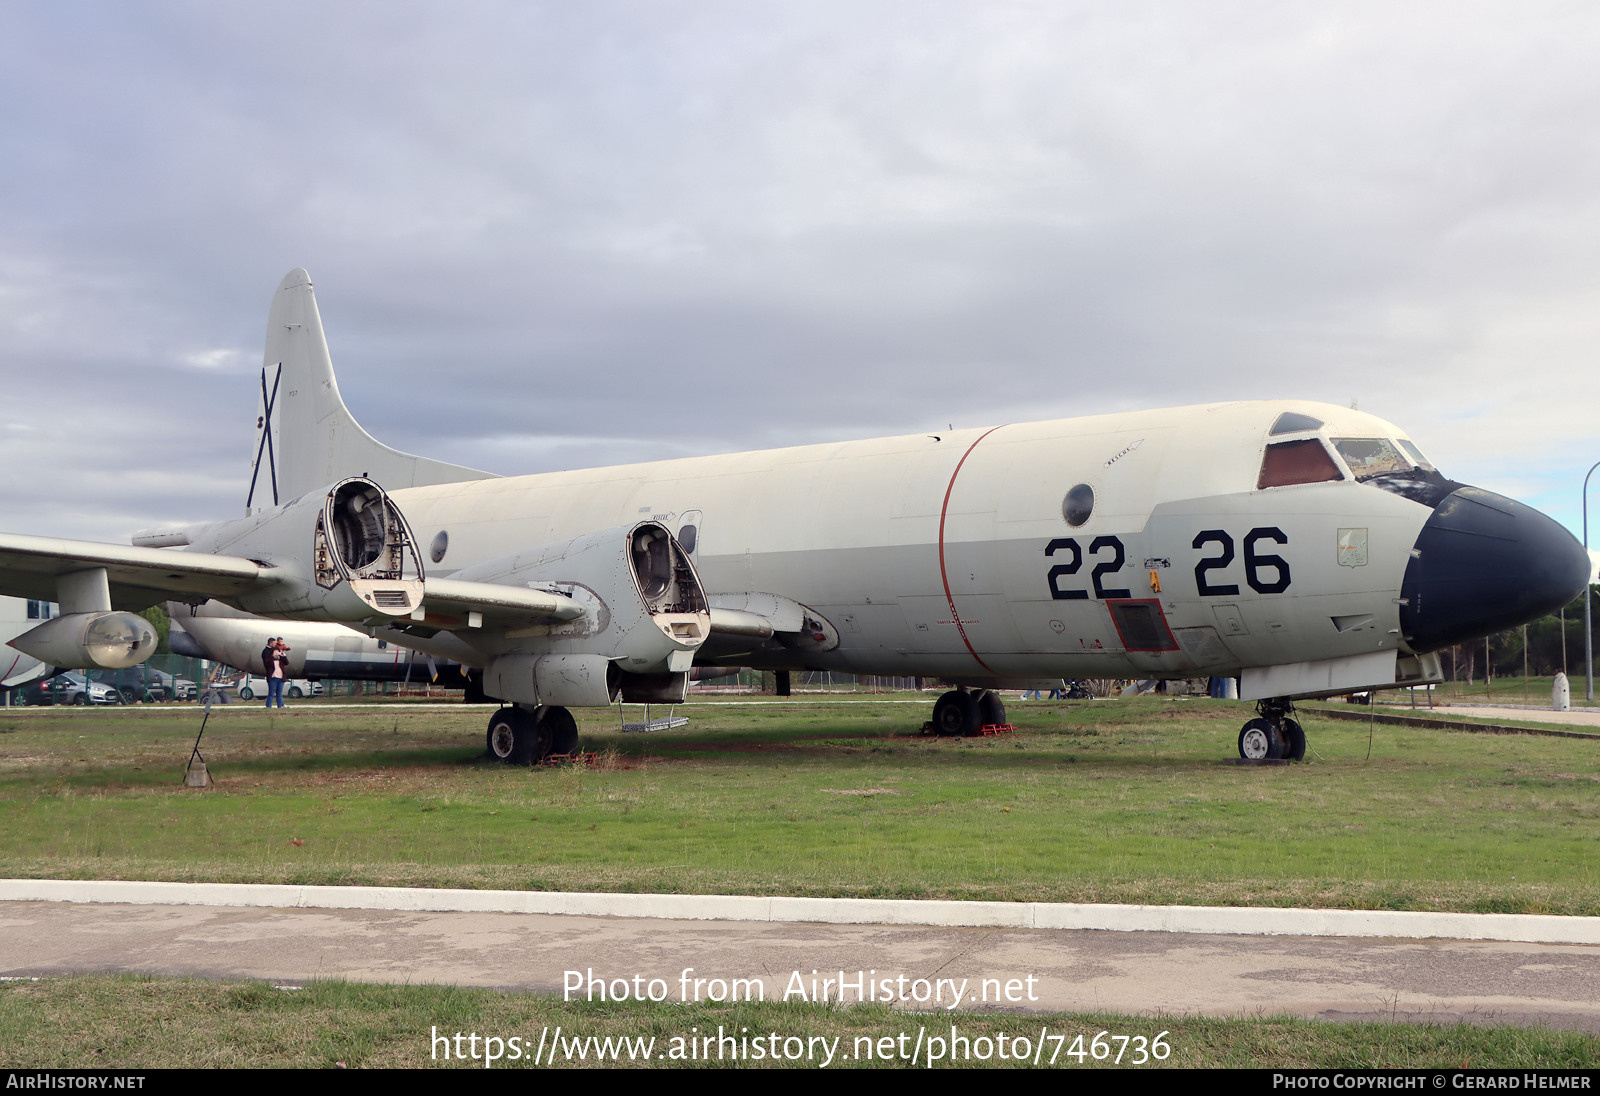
(275, 661)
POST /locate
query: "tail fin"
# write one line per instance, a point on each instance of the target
(305, 436)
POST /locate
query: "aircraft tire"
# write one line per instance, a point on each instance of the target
(1294, 741)
(1259, 741)
(955, 714)
(991, 709)
(513, 736)
(559, 730)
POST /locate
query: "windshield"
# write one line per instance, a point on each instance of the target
(1416, 454)
(1371, 456)
(1397, 467)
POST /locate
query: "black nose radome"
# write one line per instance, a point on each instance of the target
(1483, 564)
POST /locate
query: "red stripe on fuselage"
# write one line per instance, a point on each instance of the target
(955, 617)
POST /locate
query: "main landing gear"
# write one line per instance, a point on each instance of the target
(963, 713)
(526, 736)
(1272, 735)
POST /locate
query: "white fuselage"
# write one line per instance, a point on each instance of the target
(949, 555)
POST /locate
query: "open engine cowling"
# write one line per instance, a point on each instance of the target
(364, 566)
(645, 616)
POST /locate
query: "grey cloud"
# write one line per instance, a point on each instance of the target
(771, 225)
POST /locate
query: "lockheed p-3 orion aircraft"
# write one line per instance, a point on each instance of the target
(1304, 548)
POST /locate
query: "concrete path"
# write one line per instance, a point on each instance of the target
(1011, 968)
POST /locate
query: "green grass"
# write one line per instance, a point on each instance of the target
(114, 1022)
(1133, 801)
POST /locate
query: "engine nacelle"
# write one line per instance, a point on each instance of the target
(363, 564)
(90, 641)
(645, 614)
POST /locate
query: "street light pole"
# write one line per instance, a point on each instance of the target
(1588, 624)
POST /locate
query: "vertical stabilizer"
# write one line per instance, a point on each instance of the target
(305, 436)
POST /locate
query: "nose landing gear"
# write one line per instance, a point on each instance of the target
(1273, 735)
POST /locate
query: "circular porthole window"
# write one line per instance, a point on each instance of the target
(1078, 505)
(441, 544)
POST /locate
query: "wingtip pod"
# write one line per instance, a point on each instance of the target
(305, 436)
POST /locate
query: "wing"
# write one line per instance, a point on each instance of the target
(776, 622)
(452, 604)
(138, 577)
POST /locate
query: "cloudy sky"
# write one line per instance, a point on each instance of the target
(551, 235)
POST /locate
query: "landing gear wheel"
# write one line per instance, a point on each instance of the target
(1259, 741)
(955, 713)
(991, 709)
(514, 737)
(559, 730)
(1294, 741)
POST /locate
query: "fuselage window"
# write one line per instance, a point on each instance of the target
(1371, 456)
(687, 537)
(1078, 505)
(1291, 462)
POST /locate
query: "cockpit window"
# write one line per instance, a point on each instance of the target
(1291, 462)
(1292, 422)
(1416, 455)
(1397, 467)
(1371, 456)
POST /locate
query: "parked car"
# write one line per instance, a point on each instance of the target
(294, 689)
(36, 692)
(136, 683)
(146, 683)
(74, 688)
